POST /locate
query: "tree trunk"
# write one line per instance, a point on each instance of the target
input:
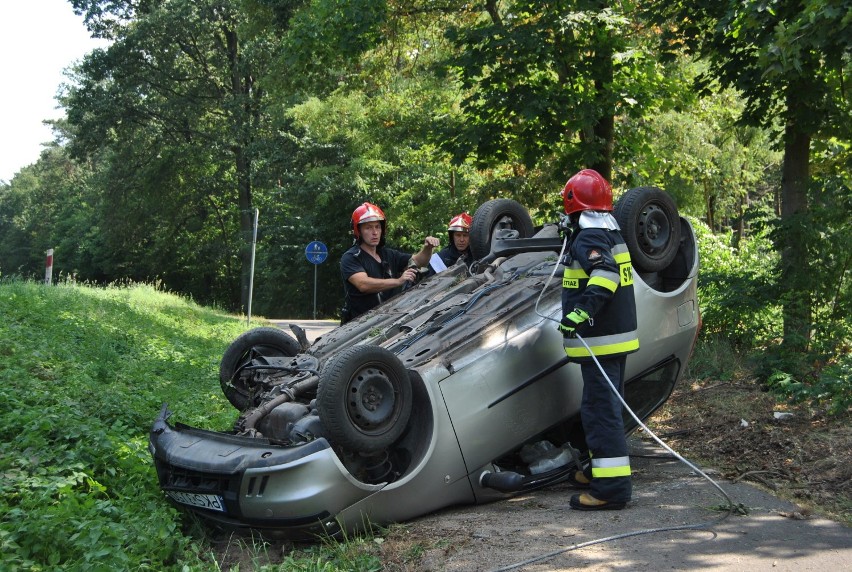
(604, 133)
(794, 263)
(243, 166)
(710, 202)
(241, 121)
(604, 128)
(739, 231)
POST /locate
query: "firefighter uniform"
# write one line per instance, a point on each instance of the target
(598, 280)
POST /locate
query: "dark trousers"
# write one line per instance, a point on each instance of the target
(600, 412)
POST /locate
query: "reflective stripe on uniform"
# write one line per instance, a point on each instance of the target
(610, 467)
(572, 276)
(620, 254)
(605, 279)
(602, 345)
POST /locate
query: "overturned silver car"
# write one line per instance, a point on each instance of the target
(455, 391)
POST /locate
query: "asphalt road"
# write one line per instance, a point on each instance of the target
(515, 534)
(313, 328)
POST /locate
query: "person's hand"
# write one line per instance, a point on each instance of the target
(568, 325)
(431, 242)
(410, 275)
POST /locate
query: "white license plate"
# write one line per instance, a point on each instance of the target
(210, 502)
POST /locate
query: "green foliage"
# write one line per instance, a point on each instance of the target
(829, 246)
(741, 294)
(828, 387)
(543, 81)
(789, 61)
(357, 554)
(715, 358)
(84, 373)
(710, 164)
(821, 373)
(51, 204)
(737, 288)
(325, 39)
(765, 51)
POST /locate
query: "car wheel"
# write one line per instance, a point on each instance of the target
(269, 342)
(650, 225)
(495, 215)
(364, 399)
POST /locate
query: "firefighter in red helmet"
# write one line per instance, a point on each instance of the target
(598, 304)
(458, 230)
(373, 273)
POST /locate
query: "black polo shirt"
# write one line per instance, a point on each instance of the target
(355, 260)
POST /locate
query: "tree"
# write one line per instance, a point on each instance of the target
(791, 62)
(51, 204)
(714, 167)
(174, 108)
(545, 81)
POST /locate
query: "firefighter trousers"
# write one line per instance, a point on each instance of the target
(601, 415)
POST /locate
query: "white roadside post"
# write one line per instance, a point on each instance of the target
(316, 252)
(251, 276)
(48, 268)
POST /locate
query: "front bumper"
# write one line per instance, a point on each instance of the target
(249, 482)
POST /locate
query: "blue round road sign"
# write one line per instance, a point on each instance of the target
(316, 252)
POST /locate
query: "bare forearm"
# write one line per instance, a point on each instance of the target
(421, 258)
(368, 285)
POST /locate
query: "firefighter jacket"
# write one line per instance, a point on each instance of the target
(598, 279)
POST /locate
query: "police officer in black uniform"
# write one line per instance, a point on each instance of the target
(598, 304)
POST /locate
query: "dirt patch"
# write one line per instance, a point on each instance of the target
(798, 453)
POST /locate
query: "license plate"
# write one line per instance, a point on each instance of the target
(210, 502)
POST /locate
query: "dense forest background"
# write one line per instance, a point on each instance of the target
(202, 112)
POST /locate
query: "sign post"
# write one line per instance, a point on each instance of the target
(316, 253)
(48, 268)
(251, 276)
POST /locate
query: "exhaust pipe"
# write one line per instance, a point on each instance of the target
(511, 482)
(504, 481)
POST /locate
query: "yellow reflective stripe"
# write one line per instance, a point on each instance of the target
(608, 280)
(572, 276)
(602, 350)
(611, 472)
(611, 467)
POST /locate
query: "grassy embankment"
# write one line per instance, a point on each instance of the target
(83, 373)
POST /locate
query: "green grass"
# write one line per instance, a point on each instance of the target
(83, 374)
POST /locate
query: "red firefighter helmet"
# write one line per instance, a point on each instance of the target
(367, 213)
(460, 222)
(587, 191)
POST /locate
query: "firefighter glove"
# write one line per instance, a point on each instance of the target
(568, 325)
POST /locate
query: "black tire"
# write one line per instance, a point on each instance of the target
(270, 342)
(364, 399)
(650, 225)
(494, 215)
